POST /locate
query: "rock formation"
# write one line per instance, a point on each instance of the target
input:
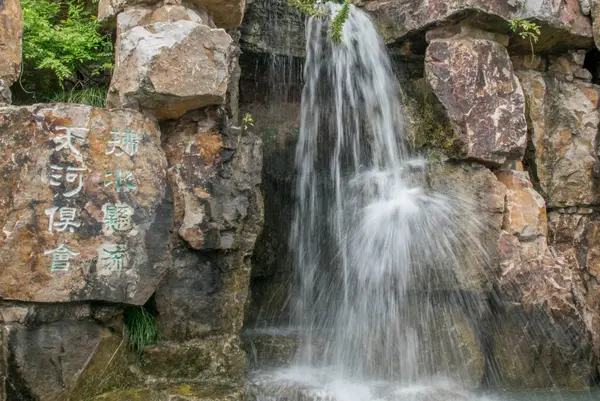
(157, 201)
(106, 211)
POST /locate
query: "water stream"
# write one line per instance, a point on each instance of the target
(385, 266)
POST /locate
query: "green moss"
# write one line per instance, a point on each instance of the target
(430, 128)
(108, 370)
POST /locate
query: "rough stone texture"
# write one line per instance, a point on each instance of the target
(171, 68)
(474, 185)
(215, 174)
(273, 27)
(72, 358)
(595, 14)
(178, 392)
(267, 350)
(211, 358)
(226, 14)
(474, 81)
(11, 31)
(147, 15)
(525, 214)
(563, 122)
(540, 349)
(116, 246)
(563, 22)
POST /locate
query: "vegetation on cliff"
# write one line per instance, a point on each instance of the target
(66, 57)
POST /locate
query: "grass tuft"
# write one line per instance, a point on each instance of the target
(95, 97)
(141, 329)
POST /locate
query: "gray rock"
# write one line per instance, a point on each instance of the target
(144, 76)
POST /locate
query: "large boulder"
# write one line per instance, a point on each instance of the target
(479, 197)
(563, 22)
(60, 352)
(226, 14)
(171, 68)
(11, 31)
(474, 81)
(564, 121)
(85, 212)
(215, 174)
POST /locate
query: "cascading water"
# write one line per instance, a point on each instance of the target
(377, 252)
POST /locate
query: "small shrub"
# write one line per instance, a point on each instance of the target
(526, 30)
(141, 329)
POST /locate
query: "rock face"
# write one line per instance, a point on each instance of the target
(215, 176)
(86, 205)
(226, 14)
(563, 21)
(54, 352)
(474, 81)
(564, 121)
(11, 27)
(146, 77)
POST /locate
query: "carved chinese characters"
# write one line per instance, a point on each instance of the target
(84, 210)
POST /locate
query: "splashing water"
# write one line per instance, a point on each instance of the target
(381, 259)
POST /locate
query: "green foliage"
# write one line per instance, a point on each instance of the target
(248, 121)
(95, 97)
(337, 23)
(141, 328)
(62, 46)
(526, 30)
(308, 7)
(313, 9)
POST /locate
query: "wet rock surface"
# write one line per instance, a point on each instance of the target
(85, 206)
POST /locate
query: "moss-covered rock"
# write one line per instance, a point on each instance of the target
(217, 357)
(181, 392)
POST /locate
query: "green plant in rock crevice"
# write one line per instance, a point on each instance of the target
(141, 329)
(526, 30)
(314, 9)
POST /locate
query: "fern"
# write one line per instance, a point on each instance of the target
(62, 42)
(336, 27)
(313, 9)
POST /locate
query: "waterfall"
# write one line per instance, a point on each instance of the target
(379, 256)
(367, 231)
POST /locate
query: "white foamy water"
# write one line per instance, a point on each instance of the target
(373, 243)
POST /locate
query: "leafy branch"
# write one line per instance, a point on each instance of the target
(526, 30)
(313, 9)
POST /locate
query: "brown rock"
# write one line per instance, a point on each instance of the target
(11, 31)
(84, 214)
(226, 14)
(564, 122)
(479, 198)
(525, 213)
(474, 81)
(171, 68)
